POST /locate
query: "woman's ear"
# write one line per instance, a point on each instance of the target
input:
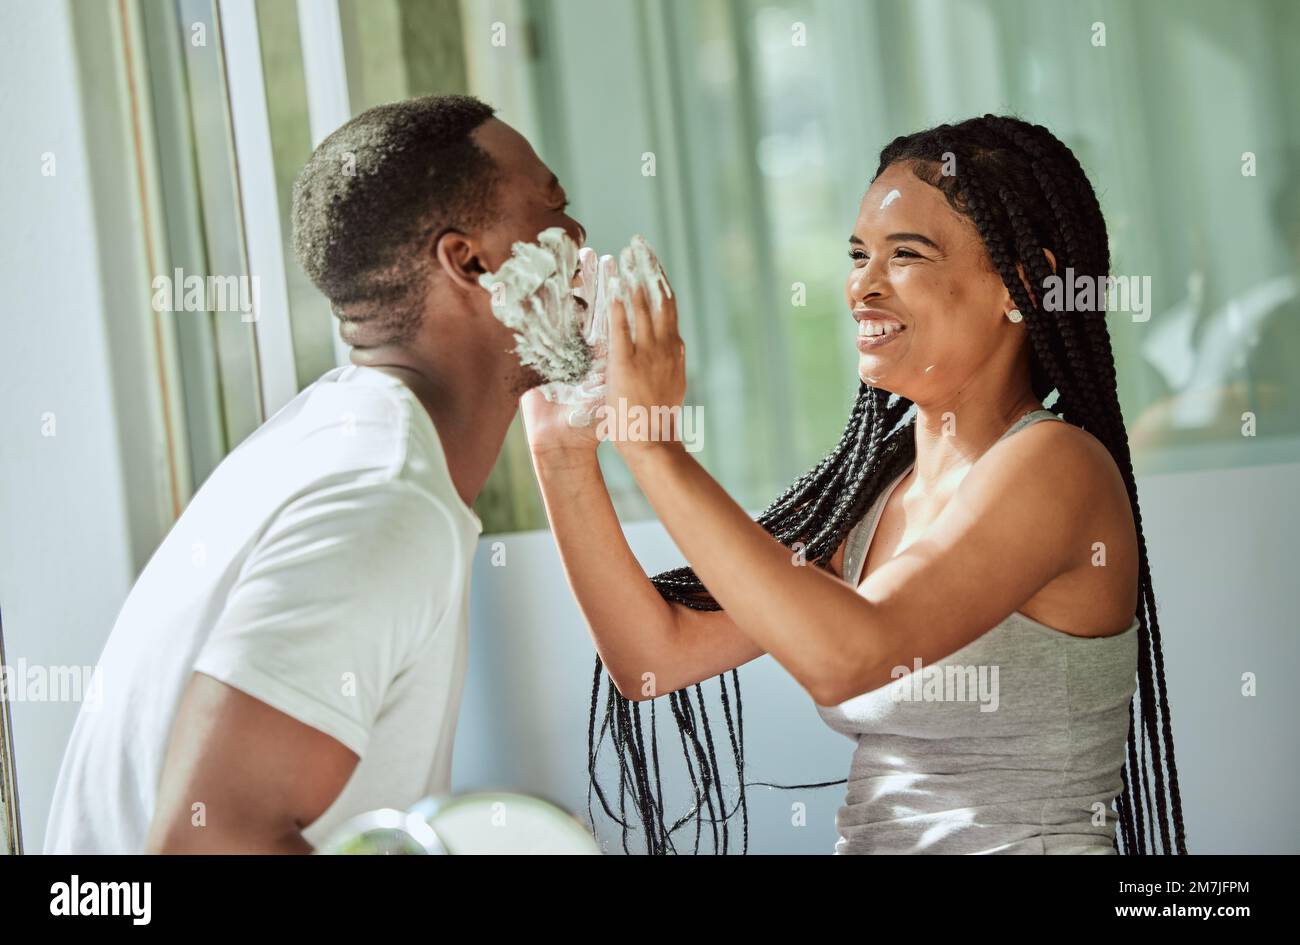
(1024, 280)
(460, 257)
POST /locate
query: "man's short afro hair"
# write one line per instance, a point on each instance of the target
(372, 195)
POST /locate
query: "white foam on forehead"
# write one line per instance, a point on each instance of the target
(890, 198)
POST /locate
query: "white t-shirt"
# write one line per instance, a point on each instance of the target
(323, 569)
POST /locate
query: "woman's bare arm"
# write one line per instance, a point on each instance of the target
(649, 646)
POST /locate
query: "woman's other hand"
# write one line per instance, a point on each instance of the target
(646, 374)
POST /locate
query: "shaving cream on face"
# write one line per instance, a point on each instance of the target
(533, 294)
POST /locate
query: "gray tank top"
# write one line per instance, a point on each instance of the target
(1012, 744)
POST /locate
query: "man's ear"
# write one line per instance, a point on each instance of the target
(460, 257)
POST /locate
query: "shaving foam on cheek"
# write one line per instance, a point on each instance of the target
(565, 341)
(532, 293)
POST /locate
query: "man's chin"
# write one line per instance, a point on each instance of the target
(526, 378)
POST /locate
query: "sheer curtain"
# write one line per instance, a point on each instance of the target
(739, 136)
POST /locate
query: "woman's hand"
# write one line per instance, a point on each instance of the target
(550, 434)
(646, 379)
(562, 425)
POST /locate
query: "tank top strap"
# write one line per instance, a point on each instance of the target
(855, 543)
(860, 535)
(1032, 417)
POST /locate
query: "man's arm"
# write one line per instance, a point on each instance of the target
(345, 584)
(242, 777)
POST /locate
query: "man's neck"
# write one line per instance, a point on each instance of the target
(471, 417)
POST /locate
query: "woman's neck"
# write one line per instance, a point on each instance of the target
(949, 439)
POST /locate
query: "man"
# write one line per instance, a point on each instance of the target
(294, 652)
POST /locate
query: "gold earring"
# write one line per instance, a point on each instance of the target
(1014, 315)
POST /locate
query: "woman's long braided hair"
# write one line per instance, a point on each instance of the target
(1024, 190)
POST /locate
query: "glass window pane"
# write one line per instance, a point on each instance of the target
(313, 324)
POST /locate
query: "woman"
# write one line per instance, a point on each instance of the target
(971, 536)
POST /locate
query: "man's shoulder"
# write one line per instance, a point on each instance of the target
(345, 441)
(366, 427)
(356, 420)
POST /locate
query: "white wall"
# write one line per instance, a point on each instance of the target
(1223, 552)
(80, 510)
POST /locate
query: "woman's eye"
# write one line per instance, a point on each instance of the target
(859, 256)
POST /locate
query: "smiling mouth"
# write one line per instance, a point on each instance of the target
(873, 334)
